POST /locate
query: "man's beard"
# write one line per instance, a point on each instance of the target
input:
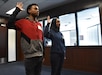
(35, 15)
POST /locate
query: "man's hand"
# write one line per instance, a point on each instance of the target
(20, 5)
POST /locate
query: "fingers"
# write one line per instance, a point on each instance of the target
(19, 5)
(48, 19)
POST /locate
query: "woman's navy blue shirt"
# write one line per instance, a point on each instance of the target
(58, 44)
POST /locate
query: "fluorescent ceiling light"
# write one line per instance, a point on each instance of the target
(3, 25)
(10, 11)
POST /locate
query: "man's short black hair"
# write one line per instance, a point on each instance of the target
(29, 6)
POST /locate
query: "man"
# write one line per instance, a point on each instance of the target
(31, 37)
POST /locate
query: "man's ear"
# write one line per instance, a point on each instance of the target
(29, 11)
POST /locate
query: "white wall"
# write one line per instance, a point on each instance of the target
(11, 45)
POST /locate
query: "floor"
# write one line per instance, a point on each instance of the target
(17, 68)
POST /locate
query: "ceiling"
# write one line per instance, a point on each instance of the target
(44, 5)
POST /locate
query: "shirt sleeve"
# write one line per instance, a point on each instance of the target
(47, 31)
(18, 24)
(12, 19)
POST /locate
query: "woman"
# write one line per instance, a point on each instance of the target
(58, 49)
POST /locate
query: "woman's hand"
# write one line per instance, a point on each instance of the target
(20, 5)
(48, 19)
(64, 57)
